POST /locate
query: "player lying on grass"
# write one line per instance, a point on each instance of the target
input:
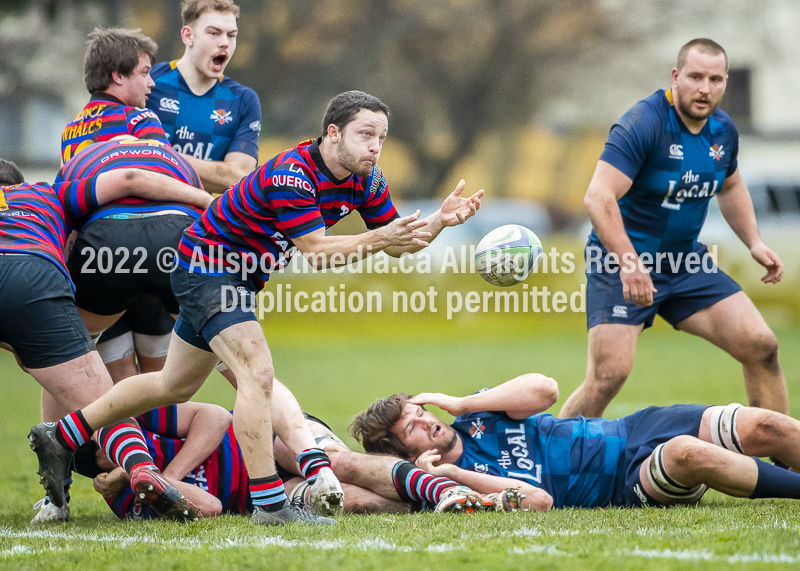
(195, 447)
(658, 456)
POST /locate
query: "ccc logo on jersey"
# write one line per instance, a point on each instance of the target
(221, 116)
(169, 105)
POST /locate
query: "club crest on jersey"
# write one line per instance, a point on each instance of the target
(221, 116)
(716, 152)
(378, 183)
(477, 428)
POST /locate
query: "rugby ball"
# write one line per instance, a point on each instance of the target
(508, 255)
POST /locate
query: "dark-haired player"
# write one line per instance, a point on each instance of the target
(655, 457)
(211, 119)
(38, 319)
(281, 208)
(665, 159)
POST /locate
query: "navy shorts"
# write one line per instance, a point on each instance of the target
(679, 294)
(210, 304)
(146, 316)
(38, 316)
(114, 263)
(647, 429)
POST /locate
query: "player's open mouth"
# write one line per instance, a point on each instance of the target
(219, 60)
(436, 430)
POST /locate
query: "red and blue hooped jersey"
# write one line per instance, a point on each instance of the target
(222, 474)
(105, 117)
(675, 173)
(37, 218)
(291, 195)
(225, 119)
(154, 156)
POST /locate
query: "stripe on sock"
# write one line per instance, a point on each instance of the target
(311, 461)
(124, 444)
(415, 485)
(267, 493)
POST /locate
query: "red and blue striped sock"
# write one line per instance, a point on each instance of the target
(311, 461)
(123, 443)
(73, 430)
(268, 493)
(415, 485)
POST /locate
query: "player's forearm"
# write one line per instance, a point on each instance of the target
(207, 503)
(332, 251)
(607, 222)
(217, 176)
(535, 499)
(202, 437)
(519, 398)
(119, 183)
(737, 209)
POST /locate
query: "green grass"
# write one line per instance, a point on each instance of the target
(336, 365)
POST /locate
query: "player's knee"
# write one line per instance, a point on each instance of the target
(762, 349)
(259, 379)
(770, 427)
(607, 380)
(684, 453)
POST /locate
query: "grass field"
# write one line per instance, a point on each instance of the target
(337, 366)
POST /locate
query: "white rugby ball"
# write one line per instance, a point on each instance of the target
(507, 255)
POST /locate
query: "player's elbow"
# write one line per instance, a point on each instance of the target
(210, 505)
(536, 500)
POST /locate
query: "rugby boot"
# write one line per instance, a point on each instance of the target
(292, 512)
(152, 489)
(325, 496)
(461, 499)
(54, 461)
(49, 512)
(509, 500)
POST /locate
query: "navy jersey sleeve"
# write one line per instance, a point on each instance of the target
(246, 138)
(292, 195)
(162, 421)
(78, 197)
(734, 135)
(378, 209)
(632, 139)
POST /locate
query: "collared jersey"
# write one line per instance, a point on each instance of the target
(37, 218)
(575, 460)
(105, 117)
(674, 172)
(154, 156)
(225, 119)
(222, 474)
(291, 195)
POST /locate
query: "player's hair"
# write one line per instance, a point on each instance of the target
(85, 458)
(191, 10)
(703, 45)
(373, 427)
(342, 108)
(114, 49)
(10, 174)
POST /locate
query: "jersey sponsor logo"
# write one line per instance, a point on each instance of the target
(169, 105)
(675, 196)
(3, 203)
(145, 114)
(676, 152)
(520, 450)
(255, 126)
(716, 152)
(184, 133)
(482, 468)
(289, 180)
(138, 153)
(195, 151)
(477, 429)
(620, 311)
(221, 116)
(82, 129)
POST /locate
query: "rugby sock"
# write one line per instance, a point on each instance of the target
(73, 430)
(774, 482)
(268, 493)
(415, 485)
(311, 461)
(124, 445)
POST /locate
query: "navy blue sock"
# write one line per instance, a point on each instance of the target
(774, 482)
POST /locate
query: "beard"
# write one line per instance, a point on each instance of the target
(448, 444)
(349, 161)
(685, 107)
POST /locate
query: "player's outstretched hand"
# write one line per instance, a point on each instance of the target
(637, 285)
(769, 260)
(406, 231)
(453, 405)
(456, 209)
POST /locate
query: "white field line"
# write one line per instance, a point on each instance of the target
(376, 544)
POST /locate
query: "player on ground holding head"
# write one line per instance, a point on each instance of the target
(281, 208)
(212, 120)
(39, 322)
(663, 162)
(658, 456)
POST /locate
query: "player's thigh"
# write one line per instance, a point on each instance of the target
(186, 367)
(243, 348)
(612, 348)
(733, 324)
(75, 383)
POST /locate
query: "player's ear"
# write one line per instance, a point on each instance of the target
(187, 36)
(116, 77)
(333, 133)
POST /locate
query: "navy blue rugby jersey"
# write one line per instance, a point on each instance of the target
(675, 173)
(225, 119)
